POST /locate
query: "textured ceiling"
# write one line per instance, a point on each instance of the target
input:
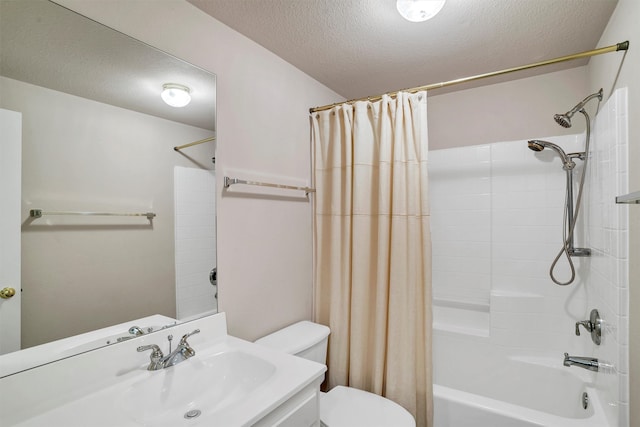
(45, 44)
(360, 48)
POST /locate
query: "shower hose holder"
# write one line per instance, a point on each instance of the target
(579, 251)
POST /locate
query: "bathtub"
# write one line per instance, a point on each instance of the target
(482, 388)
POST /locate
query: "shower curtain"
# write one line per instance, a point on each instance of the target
(373, 248)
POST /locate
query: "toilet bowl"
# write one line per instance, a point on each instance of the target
(341, 406)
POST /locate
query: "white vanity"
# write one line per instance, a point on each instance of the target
(229, 382)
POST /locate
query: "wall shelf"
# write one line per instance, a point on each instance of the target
(631, 198)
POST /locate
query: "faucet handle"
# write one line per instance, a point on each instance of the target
(153, 347)
(186, 349)
(587, 325)
(183, 340)
(156, 356)
(136, 330)
(593, 325)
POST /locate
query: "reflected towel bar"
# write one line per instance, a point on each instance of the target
(39, 213)
(202, 141)
(228, 182)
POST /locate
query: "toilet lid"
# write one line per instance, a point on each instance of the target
(350, 407)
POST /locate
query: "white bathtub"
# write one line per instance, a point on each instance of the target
(482, 387)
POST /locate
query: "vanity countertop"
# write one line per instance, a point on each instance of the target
(229, 382)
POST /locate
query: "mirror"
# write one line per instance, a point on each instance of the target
(96, 137)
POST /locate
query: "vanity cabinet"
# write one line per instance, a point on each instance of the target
(301, 410)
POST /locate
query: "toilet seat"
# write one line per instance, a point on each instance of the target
(350, 407)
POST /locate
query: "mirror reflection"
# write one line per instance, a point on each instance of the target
(98, 138)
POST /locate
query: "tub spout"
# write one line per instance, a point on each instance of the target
(589, 363)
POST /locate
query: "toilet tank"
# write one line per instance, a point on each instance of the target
(304, 339)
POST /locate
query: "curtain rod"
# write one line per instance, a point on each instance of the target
(613, 48)
(202, 141)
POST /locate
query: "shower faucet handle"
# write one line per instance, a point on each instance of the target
(587, 325)
(593, 325)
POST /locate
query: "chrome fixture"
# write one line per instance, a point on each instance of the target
(228, 182)
(564, 120)
(590, 363)
(156, 357)
(593, 325)
(568, 165)
(585, 400)
(182, 352)
(137, 331)
(213, 276)
(134, 331)
(39, 213)
(570, 214)
(538, 145)
(631, 198)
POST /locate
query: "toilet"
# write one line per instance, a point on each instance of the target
(341, 406)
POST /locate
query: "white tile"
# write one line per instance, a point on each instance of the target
(525, 194)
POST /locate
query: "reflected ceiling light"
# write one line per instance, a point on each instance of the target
(175, 95)
(419, 10)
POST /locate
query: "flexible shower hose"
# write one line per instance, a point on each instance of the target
(572, 221)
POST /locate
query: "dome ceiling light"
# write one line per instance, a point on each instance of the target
(419, 10)
(176, 95)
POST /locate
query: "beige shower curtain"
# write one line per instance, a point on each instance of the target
(373, 248)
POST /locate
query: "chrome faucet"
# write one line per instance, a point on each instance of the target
(137, 331)
(157, 358)
(182, 352)
(589, 363)
(134, 331)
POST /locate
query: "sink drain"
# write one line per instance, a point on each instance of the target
(194, 413)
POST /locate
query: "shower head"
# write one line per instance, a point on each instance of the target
(564, 120)
(539, 145)
(535, 145)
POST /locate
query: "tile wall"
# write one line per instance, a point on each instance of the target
(195, 239)
(496, 215)
(607, 227)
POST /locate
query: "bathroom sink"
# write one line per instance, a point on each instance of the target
(198, 387)
(229, 383)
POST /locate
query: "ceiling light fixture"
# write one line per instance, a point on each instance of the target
(175, 95)
(419, 10)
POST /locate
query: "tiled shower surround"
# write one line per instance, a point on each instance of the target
(496, 215)
(195, 237)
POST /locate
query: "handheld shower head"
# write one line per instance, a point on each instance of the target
(539, 145)
(564, 120)
(535, 145)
